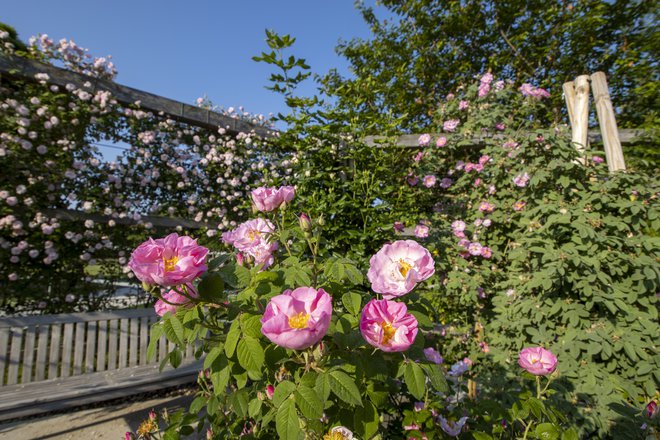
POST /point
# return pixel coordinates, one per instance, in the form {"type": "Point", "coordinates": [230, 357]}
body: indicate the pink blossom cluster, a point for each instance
{"type": "Point", "coordinates": [254, 239]}
{"type": "Point", "coordinates": [484, 85]}
{"type": "Point", "coordinates": [268, 199]}
{"type": "Point", "coordinates": [521, 180]}
{"type": "Point", "coordinates": [535, 92]}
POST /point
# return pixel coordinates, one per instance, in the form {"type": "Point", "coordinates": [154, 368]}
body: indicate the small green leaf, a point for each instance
{"type": "Point", "coordinates": [352, 301]}
{"type": "Point", "coordinates": [546, 431]}
{"type": "Point", "coordinates": [213, 355]}
{"type": "Point", "coordinates": [282, 391]}
{"type": "Point", "coordinates": [174, 330]}
{"type": "Point", "coordinates": [250, 354]}
{"type": "Point", "coordinates": [309, 402]}
{"type": "Point", "coordinates": [232, 338]}
{"type": "Point", "coordinates": [286, 421]}
{"type": "Point", "coordinates": [211, 288]}
{"type": "Point", "coordinates": [251, 325]}
{"type": "Point", "coordinates": [344, 387]}
{"type": "Point", "coordinates": [254, 408]}
{"type": "Point", "coordinates": [156, 332]}
{"type": "Point", "coordinates": [415, 380]}
{"type": "Point", "coordinates": [437, 378]}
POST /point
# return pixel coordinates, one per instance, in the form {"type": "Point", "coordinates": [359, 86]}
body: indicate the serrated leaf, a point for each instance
{"type": "Point", "coordinates": [546, 431]}
{"type": "Point", "coordinates": [366, 420]}
{"type": "Point", "coordinates": [220, 380]}
{"type": "Point", "coordinates": [309, 402]}
{"type": "Point", "coordinates": [323, 386]}
{"type": "Point", "coordinates": [215, 352]}
{"type": "Point", "coordinates": [286, 421]}
{"type": "Point", "coordinates": [239, 401]}
{"type": "Point", "coordinates": [282, 391]}
{"type": "Point", "coordinates": [254, 408]}
{"type": "Point", "coordinates": [436, 377]}
{"type": "Point", "coordinates": [415, 380]}
{"type": "Point", "coordinates": [232, 338]}
{"type": "Point", "coordinates": [352, 301]}
{"type": "Point", "coordinates": [250, 354]}
{"type": "Point", "coordinates": [197, 404]}
{"type": "Point", "coordinates": [344, 387]}
{"type": "Point", "coordinates": [176, 357]}
{"type": "Point", "coordinates": [251, 325]}
{"type": "Point", "coordinates": [154, 336]}
{"type": "Point", "coordinates": [174, 330]}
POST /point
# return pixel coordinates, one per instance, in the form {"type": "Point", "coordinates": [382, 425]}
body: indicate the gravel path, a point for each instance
{"type": "Point", "coordinates": [106, 422]}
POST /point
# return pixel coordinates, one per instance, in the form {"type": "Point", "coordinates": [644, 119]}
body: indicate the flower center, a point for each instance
{"type": "Point", "coordinates": [535, 360]}
{"type": "Point", "coordinates": [388, 332]}
{"type": "Point", "coordinates": [334, 436]}
{"type": "Point", "coordinates": [170, 263]}
{"type": "Point", "coordinates": [404, 268]}
{"type": "Point", "coordinates": [299, 320]}
{"type": "Point", "coordinates": [253, 234]}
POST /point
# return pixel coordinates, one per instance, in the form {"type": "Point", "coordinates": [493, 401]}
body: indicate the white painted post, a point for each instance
{"type": "Point", "coordinates": [581, 114]}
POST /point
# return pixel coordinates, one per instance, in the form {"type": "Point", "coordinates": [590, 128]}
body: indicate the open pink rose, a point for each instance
{"type": "Point", "coordinates": [537, 360]}
{"type": "Point", "coordinates": [387, 325]}
{"type": "Point", "coordinates": [297, 319]}
{"type": "Point", "coordinates": [397, 268]}
{"type": "Point", "coordinates": [174, 300]}
{"type": "Point", "coordinates": [268, 199]}
{"type": "Point", "coordinates": [168, 261]}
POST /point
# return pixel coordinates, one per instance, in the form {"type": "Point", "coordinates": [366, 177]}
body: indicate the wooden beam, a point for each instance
{"type": "Point", "coordinates": [410, 140]}
{"type": "Point", "coordinates": [569, 97]}
{"type": "Point", "coordinates": [165, 222]}
{"type": "Point", "coordinates": [26, 68]}
{"type": "Point", "coordinates": [607, 122]}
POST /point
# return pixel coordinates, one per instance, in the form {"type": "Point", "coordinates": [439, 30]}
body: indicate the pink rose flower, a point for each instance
{"type": "Point", "coordinates": [486, 252]}
{"type": "Point", "coordinates": [397, 268]}
{"type": "Point", "coordinates": [297, 319]}
{"type": "Point", "coordinates": [597, 159]}
{"type": "Point", "coordinates": [174, 299]}
{"type": "Point", "coordinates": [521, 180]}
{"type": "Point", "coordinates": [441, 142]}
{"type": "Point", "coordinates": [429, 181]}
{"type": "Point", "coordinates": [486, 207]}
{"type": "Point", "coordinates": [421, 231]}
{"type": "Point", "coordinates": [463, 105]}
{"type": "Point", "coordinates": [424, 140]}
{"type": "Point", "coordinates": [268, 199]}
{"type": "Point", "coordinates": [412, 179]}
{"type": "Point", "coordinates": [388, 325]}
{"type": "Point", "coordinates": [168, 261]}
{"type": "Point", "coordinates": [537, 360]}
{"type": "Point", "coordinates": [519, 205]}
{"type": "Point", "coordinates": [450, 125]}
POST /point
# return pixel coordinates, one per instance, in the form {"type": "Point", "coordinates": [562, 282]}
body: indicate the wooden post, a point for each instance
{"type": "Point", "coordinates": [607, 121]}
{"type": "Point", "coordinates": [569, 97]}
{"type": "Point", "coordinates": [581, 113]}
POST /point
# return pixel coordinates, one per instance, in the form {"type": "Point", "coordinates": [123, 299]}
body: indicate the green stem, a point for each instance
{"type": "Point", "coordinates": [538, 387]}
{"type": "Point", "coordinates": [526, 430]}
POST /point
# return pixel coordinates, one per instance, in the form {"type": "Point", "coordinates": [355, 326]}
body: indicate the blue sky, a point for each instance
{"type": "Point", "coordinates": [185, 49]}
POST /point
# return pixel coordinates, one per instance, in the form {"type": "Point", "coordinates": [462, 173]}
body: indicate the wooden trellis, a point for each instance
{"type": "Point", "coordinates": [576, 94]}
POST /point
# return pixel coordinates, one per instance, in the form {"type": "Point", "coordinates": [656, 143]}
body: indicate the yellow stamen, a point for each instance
{"type": "Point", "coordinates": [334, 436]}
{"type": "Point", "coordinates": [253, 234]}
{"type": "Point", "coordinates": [534, 360]}
{"type": "Point", "coordinates": [170, 263]}
{"type": "Point", "coordinates": [299, 320]}
{"type": "Point", "coordinates": [388, 332]}
{"type": "Point", "coordinates": [147, 427]}
{"type": "Point", "coordinates": [404, 268]}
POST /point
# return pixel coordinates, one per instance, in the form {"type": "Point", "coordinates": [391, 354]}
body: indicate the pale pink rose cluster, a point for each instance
{"type": "Point", "coordinates": [168, 261]}
{"type": "Point", "coordinates": [268, 199]}
{"type": "Point", "coordinates": [253, 238]}
{"type": "Point", "coordinates": [484, 85]}
{"type": "Point", "coordinates": [521, 180]}
{"type": "Point", "coordinates": [394, 271]}
{"type": "Point", "coordinates": [451, 125]}
{"type": "Point", "coordinates": [535, 92]}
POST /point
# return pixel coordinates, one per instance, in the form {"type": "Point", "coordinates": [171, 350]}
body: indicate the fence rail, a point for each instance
{"type": "Point", "coordinates": [26, 68]}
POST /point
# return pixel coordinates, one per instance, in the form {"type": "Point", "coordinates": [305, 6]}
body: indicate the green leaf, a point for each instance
{"type": "Point", "coordinates": [176, 357]}
{"type": "Point", "coordinates": [481, 436]}
{"type": "Point", "coordinates": [352, 301]}
{"type": "Point", "coordinates": [323, 386]}
{"type": "Point", "coordinates": [232, 338]}
{"type": "Point", "coordinates": [239, 401]}
{"type": "Point", "coordinates": [546, 431]}
{"type": "Point", "coordinates": [174, 330]}
{"type": "Point", "coordinates": [344, 387]}
{"type": "Point", "coordinates": [254, 408]}
{"type": "Point", "coordinates": [156, 332]}
{"type": "Point", "coordinates": [211, 288]}
{"type": "Point", "coordinates": [220, 380]}
{"type": "Point", "coordinates": [437, 377]}
{"type": "Point", "coordinates": [282, 391]}
{"type": "Point", "coordinates": [250, 354]}
{"type": "Point", "coordinates": [286, 421]}
{"type": "Point", "coordinates": [251, 325]}
{"type": "Point", "coordinates": [366, 420]}
{"type": "Point", "coordinates": [415, 380]}
{"type": "Point", "coordinates": [569, 434]}
{"type": "Point", "coordinates": [309, 402]}
{"type": "Point", "coordinates": [197, 404]}
{"type": "Point", "coordinates": [213, 355]}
